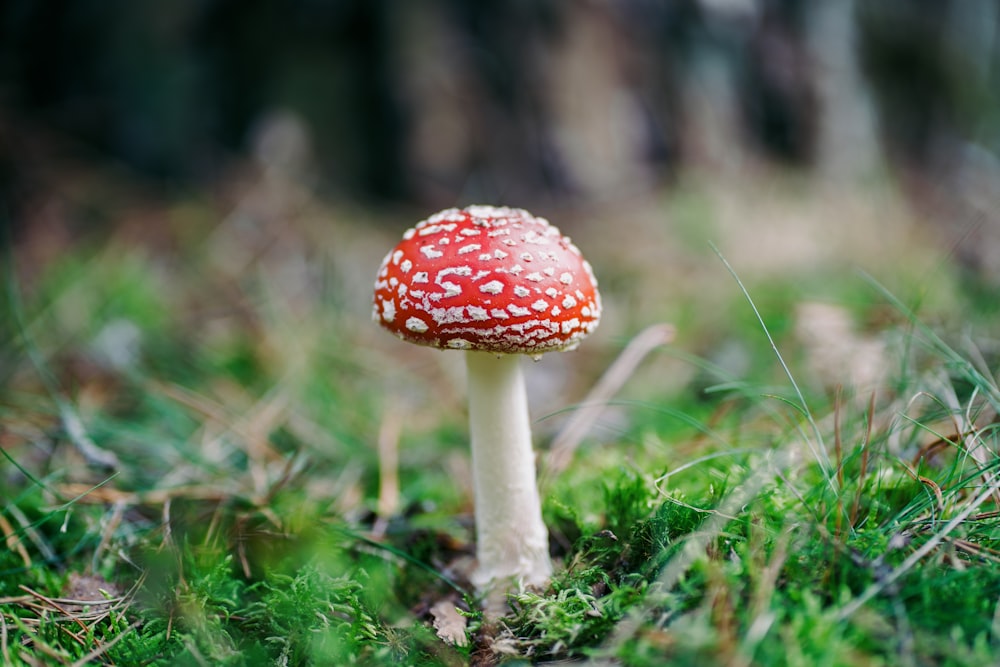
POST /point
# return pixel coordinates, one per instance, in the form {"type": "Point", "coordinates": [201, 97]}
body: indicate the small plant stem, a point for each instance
{"type": "Point", "coordinates": [839, 449]}
{"type": "Point", "coordinates": [863, 471]}
{"type": "Point", "coordinates": [816, 448]}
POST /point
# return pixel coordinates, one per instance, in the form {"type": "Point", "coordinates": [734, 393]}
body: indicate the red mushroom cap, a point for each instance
{"type": "Point", "coordinates": [487, 278]}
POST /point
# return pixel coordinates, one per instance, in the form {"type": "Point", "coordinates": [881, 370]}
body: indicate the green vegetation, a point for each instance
{"type": "Point", "coordinates": [752, 516]}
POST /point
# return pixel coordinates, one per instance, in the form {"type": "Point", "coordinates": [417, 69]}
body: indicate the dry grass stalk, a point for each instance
{"type": "Point", "coordinates": [388, 465]}
{"type": "Point", "coordinates": [576, 429]}
{"type": "Point", "coordinates": [13, 541]}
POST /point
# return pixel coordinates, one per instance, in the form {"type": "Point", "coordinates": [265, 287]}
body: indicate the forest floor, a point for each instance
{"type": "Point", "coordinates": [212, 456]}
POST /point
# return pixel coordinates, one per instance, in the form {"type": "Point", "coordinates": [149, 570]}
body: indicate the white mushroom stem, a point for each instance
{"type": "Point", "coordinates": [512, 542]}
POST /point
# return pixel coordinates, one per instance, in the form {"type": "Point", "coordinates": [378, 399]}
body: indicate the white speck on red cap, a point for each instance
{"type": "Point", "coordinates": [488, 302]}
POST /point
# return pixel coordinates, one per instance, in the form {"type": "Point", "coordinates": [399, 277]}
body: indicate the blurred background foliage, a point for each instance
{"type": "Point", "coordinates": [538, 102]}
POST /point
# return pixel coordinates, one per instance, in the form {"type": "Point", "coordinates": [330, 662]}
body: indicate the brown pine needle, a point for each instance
{"type": "Point", "coordinates": [55, 605]}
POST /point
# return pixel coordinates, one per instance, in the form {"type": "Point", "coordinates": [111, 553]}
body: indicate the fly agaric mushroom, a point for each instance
{"type": "Point", "coordinates": [496, 282]}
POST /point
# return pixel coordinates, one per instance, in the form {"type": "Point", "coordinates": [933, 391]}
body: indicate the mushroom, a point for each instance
{"type": "Point", "coordinates": [496, 282]}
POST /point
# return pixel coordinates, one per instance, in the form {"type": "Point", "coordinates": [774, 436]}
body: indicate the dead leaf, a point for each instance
{"type": "Point", "coordinates": [449, 623]}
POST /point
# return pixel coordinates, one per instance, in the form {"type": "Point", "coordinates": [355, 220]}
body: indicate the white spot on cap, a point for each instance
{"type": "Point", "coordinates": [499, 314]}
{"type": "Point", "coordinates": [421, 277]}
{"type": "Point", "coordinates": [453, 270]}
{"type": "Point", "coordinates": [492, 287]}
{"type": "Point", "coordinates": [568, 302]}
{"type": "Point", "coordinates": [388, 310]}
{"type": "Point", "coordinates": [406, 266]}
{"type": "Point", "coordinates": [434, 229]}
{"type": "Point", "coordinates": [552, 292]}
{"type": "Point", "coordinates": [534, 277]}
{"type": "Point", "coordinates": [517, 311]}
{"type": "Point", "coordinates": [485, 211]}
{"type": "Point", "coordinates": [541, 305]}
{"type": "Point", "coordinates": [472, 247]}
{"type": "Point", "coordinates": [396, 256]}
{"type": "Point", "coordinates": [430, 253]}
{"type": "Point", "coordinates": [521, 290]}
{"type": "Point", "coordinates": [569, 325]}
{"type": "Point", "coordinates": [416, 325]}
{"type": "Point", "coordinates": [549, 271]}
{"type": "Point", "coordinates": [526, 256]}
{"type": "Point", "coordinates": [448, 315]}
{"type": "Point", "coordinates": [500, 254]}
{"type": "Point", "coordinates": [468, 231]}
{"type": "Point", "coordinates": [566, 278]}
{"type": "Point", "coordinates": [479, 314]}
{"type": "Point", "coordinates": [451, 289]}
{"type": "Point", "coordinates": [555, 311]}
